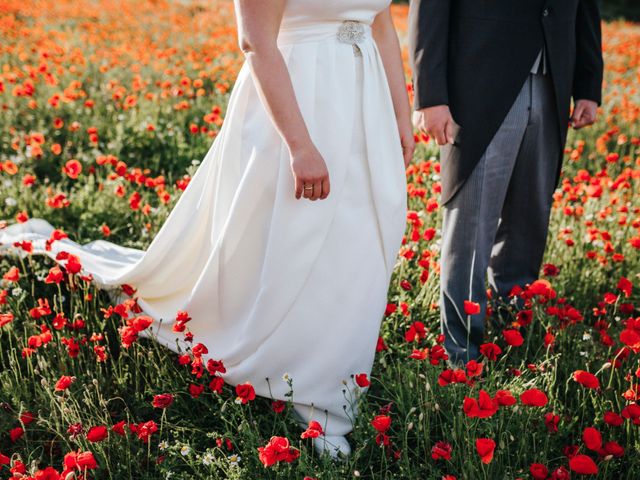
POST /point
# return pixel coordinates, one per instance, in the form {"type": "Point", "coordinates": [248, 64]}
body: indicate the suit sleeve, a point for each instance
{"type": "Point", "coordinates": [587, 77]}
{"type": "Point", "coordinates": [429, 41]}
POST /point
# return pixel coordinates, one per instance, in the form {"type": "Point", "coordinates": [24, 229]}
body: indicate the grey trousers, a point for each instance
{"type": "Point", "coordinates": [497, 223]}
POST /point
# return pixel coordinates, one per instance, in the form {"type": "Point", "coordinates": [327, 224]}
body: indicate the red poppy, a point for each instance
{"type": "Point", "coordinates": [144, 430]}
{"type": "Point", "coordinates": [16, 433]}
{"type": "Point", "coordinates": [215, 366]}
{"type": "Point", "coordinates": [542, 289]}
{"type": "Point", "coordinates": [632, 411]}
{"type": "Point", "coordinates": [80, 461]}
{"type": "Point", "coordinates": [64, 382]}
{"type": "Point", "coordinates": [441, 450]}
{"type": "Point", "coordinates": [538, 471]}
{"type": "Point", "coordinates": [278, 406]}
{"type": "Point", "coordinates": [314, 430]}
{"type": "Point", "coordinates": [625, 286]}
{"type": "Point", "coordinates": [6, 319]}
{"type": "Point", "coordinates": [631, 338]}
{"type": "Point", "coordinates": [199, 349]}
{"type": "Point", "coordinates": [490, 350]}
{"type": "Point", "coordinates": [97, 434]}
{"type": "Point", "coordinates": [216, 384]}
{"type": "Point", "coordinates": [119, 428]}
{"type": "Point", "coordinates": [549, 339]}
{"type": "Point", "coordinates": [27, 417]}
{"type": "Point", "coordinates": [72, 168]}
{"type": "Point", "coordinates": [586, 379]}
{"type": "Point", "coordinates": [381, 423]}
{"type": "Point", "coordinates": [419, 353]}
{"type": "Point", "coordinates": [416, 332]}
{"type": "Point", "coordinates": [195, 390]}
{"type": "Point", "coordinates": [504, 398]}
{"type": "Point", "coordinates": [12, 275]}
{"type": "Point", "coordinates": [534, 398]}
{"type": "Point", "coordinates": [524, 317]}
{"type": "Point", "coordinates": [471, 308]}
{"type": "Point", "coordinates": [163, 400]}
{"type": "Point", "coordinates": [613, 419]}
{"type": "Point", "coordinates": [484, 407]}
{"type": "Point", "coordinates": [362, 381]}
{"type": "Point", "coordinates": [437, 354]}
{"type": "Point", "coordinates": [560, 473]}
{"type": "Point", "coordinates": [245, 393]}
{"type": "Point", "coordinates": [141, 322]}
{"type": "Point", "coordinates": [592, 438]}
{"type": "Point", "coordinates": [474, 368]}
{"type": "Point", "coordinates": [450, 376]}
{"type": "Point", "coordinates": [614, 448]}
{"type": "Point", "coordinates": [513, 337]}
{"type": "Point", "coordinates": [485, 448]}
{"type": "Point", "coordinates": [583, 465]}
{"type": "Point", "coordinates": [277, 450]}
{"type": "Point", "coordinates": [551, 421]}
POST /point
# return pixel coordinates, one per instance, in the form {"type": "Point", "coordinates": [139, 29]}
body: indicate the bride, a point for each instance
{"type": "Point", "coordinates": [282, 246]}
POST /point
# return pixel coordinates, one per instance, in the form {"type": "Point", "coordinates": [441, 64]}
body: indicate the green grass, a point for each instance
{"type": "Point", "coordinates": [191, 438]}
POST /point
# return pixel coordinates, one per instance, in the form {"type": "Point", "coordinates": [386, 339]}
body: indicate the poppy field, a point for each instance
{"type": "Point", "coordinates": [107, 108]}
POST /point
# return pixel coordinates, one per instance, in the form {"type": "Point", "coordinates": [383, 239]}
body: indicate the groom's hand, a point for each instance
{"type": "Point", "coordinates": [435, 122]}
{"type": "Point", "coordinates": [584, 113]}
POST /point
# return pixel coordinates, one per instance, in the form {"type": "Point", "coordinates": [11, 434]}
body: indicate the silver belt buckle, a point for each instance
{"type": "Point", "coordinates": [352, 32]}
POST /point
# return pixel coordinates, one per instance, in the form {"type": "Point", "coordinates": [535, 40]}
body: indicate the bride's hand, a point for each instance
{"type": "Point", "coordinates": [310, 173]}
{"type": "Point", "coordinates": [408, 143]}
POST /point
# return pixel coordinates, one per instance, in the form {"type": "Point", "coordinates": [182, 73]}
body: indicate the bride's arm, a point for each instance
{"type": "Point", "coordinates": [386, 39]}
{"type": "Point", "coordinates": [258, 25]}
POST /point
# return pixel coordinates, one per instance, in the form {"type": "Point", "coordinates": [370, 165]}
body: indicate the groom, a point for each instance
{"type": "Point", "coordinates": [493, 83]}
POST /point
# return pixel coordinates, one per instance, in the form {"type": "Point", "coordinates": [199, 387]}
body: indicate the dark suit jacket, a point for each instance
{"type": "Point", "coordinates": [475, 55]}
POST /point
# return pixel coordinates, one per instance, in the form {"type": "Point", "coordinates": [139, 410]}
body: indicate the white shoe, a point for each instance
{"type": "Point", "coordinates": [336, 446]}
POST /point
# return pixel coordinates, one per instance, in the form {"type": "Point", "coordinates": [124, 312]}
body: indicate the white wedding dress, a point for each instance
{"type": "Point", "coordinates": [276, 285]}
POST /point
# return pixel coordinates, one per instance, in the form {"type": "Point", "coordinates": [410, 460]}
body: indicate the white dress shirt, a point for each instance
{"type": "Point", "coordinates": [540, 65]}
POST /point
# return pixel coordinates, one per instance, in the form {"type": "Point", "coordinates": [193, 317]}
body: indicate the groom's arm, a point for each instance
{"type": "Point", "coordinates": [429, 50]}
{"type": "Point", "coordinates": [587, 78]}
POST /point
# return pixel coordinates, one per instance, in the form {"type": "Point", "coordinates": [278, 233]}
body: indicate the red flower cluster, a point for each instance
{"type": "Point", "coordinates": [129, 332]}
{"type": "Point", "coordinates": [314, 430]}
{"type": "Point", "coordinates": [277, 450]}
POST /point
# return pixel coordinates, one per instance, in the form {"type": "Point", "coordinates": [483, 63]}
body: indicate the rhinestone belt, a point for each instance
{"type": "Point", "coordinates": [352, 32]}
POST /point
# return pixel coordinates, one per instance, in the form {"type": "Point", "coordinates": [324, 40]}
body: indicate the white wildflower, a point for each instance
{"type": "Point", "coordinates": [207, 458]}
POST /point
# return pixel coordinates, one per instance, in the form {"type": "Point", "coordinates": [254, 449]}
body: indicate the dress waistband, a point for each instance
{"type": "Point", "coordinates": [347, 31]}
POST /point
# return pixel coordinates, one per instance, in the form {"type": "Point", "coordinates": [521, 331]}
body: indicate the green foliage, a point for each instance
{"type": "Point", "coordinates": [594, 227]}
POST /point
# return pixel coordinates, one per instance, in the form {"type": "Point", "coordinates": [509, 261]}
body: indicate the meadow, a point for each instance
{"type": "Point", "coordinates": [108, 106]}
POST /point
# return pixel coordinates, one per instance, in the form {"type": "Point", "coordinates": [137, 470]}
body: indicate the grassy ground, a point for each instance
{"type": "Point", "coordinates": [107, 108]}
